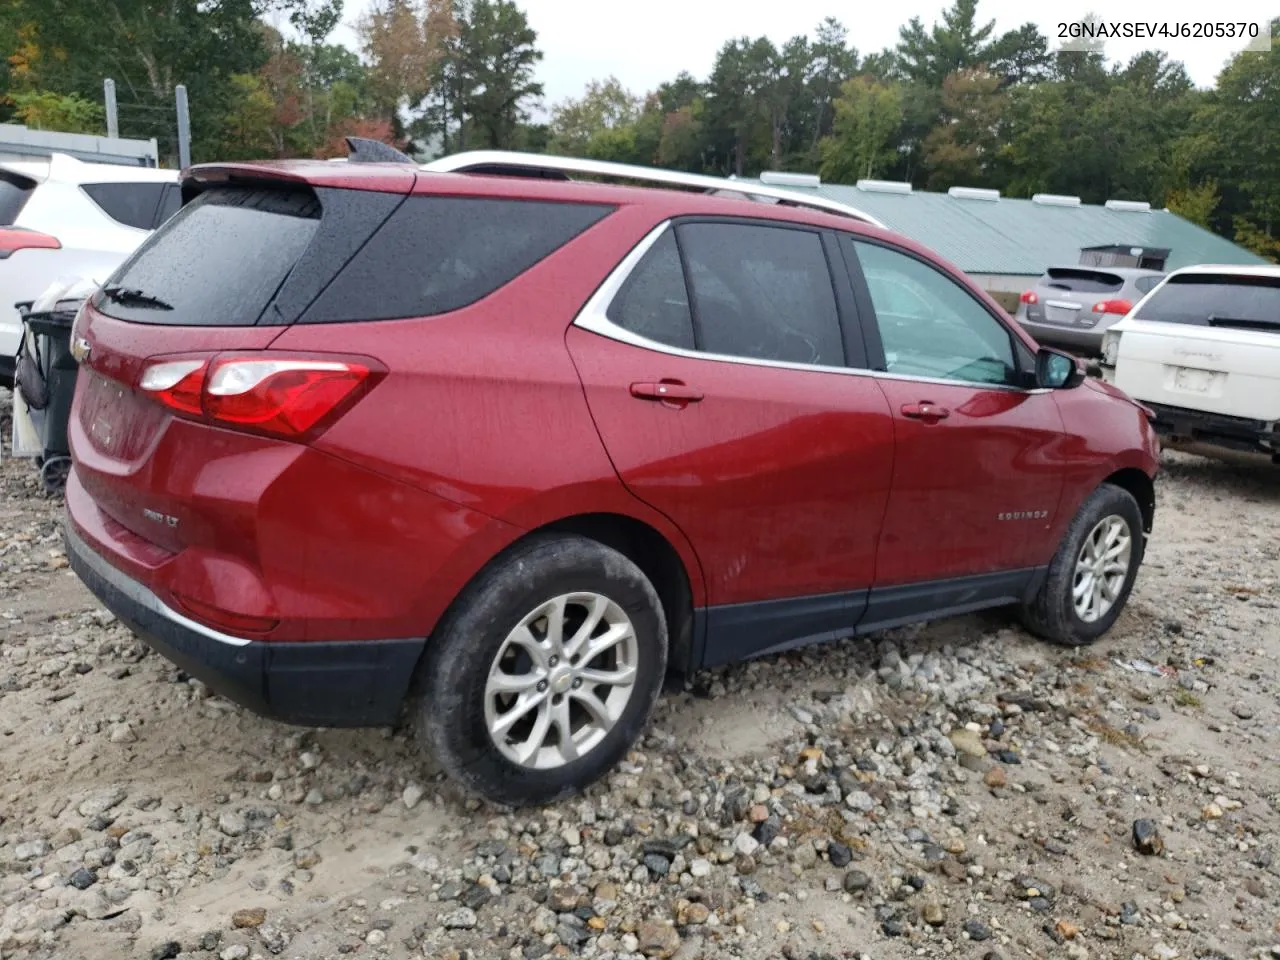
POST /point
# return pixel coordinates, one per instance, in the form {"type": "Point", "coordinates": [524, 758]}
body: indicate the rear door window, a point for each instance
{"type": "Point", "coordinates": [439, 254]}
{"type": "Point", "coordinates": [1219, 300]}
{"type": "Point", "coordinates": [1076, 280]}
{"type": "Point", "coordinates": [132, 204]}
{"type": "Point", "coordinates": [654, 302]}
{"type": "Point", "coordinates": [15, 190]}
{"type": "Point", "coordinates": [218, 262]}
{"type": "Point", "coordinates": [1147, 284]}
{"type": "Point", "coordinates": [762, 292]}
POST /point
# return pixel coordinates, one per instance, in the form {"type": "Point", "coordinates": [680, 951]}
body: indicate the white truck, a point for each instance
{"type": "Point", "coordinates": [1202, 350]}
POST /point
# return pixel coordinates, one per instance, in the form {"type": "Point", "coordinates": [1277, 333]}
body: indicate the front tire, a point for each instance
{"type": "Point", "coordinates": [543, 673]}
{"type": "Point", "coordinates": [1092, 574]}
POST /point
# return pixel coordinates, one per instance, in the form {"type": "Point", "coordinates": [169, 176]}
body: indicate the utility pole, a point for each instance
{"type": "Point", "coordinates": [184, 127]}
{"type": "Point", "coordinates": [113, 119]}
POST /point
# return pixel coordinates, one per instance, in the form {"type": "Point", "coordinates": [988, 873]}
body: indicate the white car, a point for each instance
{"type": "Point", "coordinates": [1202, 350]}
{"type": "Point", "coordinates": [62, 218]}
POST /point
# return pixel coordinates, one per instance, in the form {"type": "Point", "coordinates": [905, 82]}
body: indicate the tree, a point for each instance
{"type": "Point", "coordinates": [1197, 204]}
{"type": "Point", "coordinates": [147, 48]}
{"type": "Point", "coordinates": [957, 43]}
{"type": "Point", "coordinates": [247, 129]}
{"type": "Point", "coordinates": [497, 52]}
{"type": "Point", "coordinates": [867, 115]}
{"type": "Point", "coordinates": [1020, 56]}
{"type": "Point", "coordinates": [603, 109]}
{"type": "Point", "coordinates": [401, 53]}
{"type": "Point", "coordinates": [833, 61]}
{"type": "Point", "coordinates": [46, 110]}
{"type": "Point", "coordinates": [963, 148]}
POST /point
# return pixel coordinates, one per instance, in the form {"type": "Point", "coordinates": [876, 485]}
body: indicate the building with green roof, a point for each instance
{"type": "Point", "coordinates": [1005, 243]}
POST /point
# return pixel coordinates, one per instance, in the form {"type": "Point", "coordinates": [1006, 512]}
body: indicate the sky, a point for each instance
{"type": "Point", "coordinates": [643, 44]}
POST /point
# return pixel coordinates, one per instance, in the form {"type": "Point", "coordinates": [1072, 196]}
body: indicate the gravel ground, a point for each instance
{"type": "Point", "coordinates": [955, 790]}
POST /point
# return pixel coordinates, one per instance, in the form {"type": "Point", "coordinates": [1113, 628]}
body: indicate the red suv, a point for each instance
{"type": "Point", "coordinates": [502, 449]}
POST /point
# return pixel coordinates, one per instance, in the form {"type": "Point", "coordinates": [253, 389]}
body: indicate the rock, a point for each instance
{"type": "Point", "coordinates": [376, 938]}
{"type": "Point", "coordinates": [463, 918]}
{"type": "Point", "coordinates": [31, 850]}
{"type": "Point", "coordinates": [700, 868]}
{"type": "Point", "coordinates": [933, 913]}
{"type": "Point", "coordinates": [1146, 838]}
{"type": "Point", "coordinates": [861, 801]}
{"type": "Point", "coordinates": [232, 824]}
{"type": "Point", "coordinates": [412, 796]}
{"type": "Point", "coordinates": [658, 940]}
{"type": "Point", "coordinates": [166, 951]}
{"type": "Point", "coordinates": [855, 881]}
{"type": "Point", "coordinates": [758, 813]}
{"type": "Point", "coordinates": [839, 854]}
{"type": "Point", "coordinates": [746, 844]}
{"type": "Point", "coordinates": [82, 879]}
{"type": "Point", "coordinates": [249, 918]}
{"type": "Point", "coordinates": [977, 931]}
{"type": "Point", "coordinates": [123, 733]}
{"type": "Point", "coordinates": [1212, 811]}
{"type": "Point", "coordinates": [1242, 711]}
{"type": "Point", "coordinates": [313, 798]}
{"type": "Point", "coordinates": [1066, 929]}
{"type": "Point", "coordinates": [745, 864]}
{"type": "Point", "coordinates": [967, 741]}
{"type": "Point", "coordinates": [693, 915]}
{"type": "Point", "coordinates": [996, 778]}
{"type": "Point", "coordinates": [236, 951]}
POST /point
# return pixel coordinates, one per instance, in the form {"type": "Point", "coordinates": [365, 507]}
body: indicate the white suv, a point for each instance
{"type": "Point", "coordinates": [1203, 351]}
{"type": "Point", "coordinates": [64, 219]}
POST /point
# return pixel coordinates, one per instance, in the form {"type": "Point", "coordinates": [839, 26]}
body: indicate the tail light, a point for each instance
{"type": "Point", "coordinates": [13, 239]}
{"type": "Point", "coordinates": [291, 397]}
{"type": "Point", "coordinates": [1029, 296]}
{"type": "Point", "coordinates": [1112, 306]}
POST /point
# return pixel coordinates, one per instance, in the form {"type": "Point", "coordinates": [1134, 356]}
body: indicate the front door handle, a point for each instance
{"type": "Point", "coordinates": [926, 411]}
{"type": "Point", "coordinates": [671, 392]}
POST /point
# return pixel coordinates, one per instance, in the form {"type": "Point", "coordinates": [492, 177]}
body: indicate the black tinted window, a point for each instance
{"type": "Point", "coordinates": [654, 302]}
{"type": "Point", "coordinates": [762, 292]}
{"type": "Point", "coordinates": [133, 204]}
{"type": "Point", "coordinates": [1082, 281]}
{"type": "Point", "coordinates": [14, 191]}
{"type": "Point", "coordinates": [219, 261]}
{"type": "Point", "coordinates": [1219, 300]}
{"type": "Point", "coordinates": [170, 202]}
{"type": "Point", "coordinates": [438, 254]}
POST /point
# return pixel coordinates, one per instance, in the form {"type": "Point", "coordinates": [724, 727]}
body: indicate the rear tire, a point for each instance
{"type": "Point", "coordinates": [1085, 590]}
{"type": "Point", "coordinates": [544, 672]}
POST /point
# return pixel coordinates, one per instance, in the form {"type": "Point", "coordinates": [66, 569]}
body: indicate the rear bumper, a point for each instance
{"type": "Point", "coordinates": [357, 683]}
{"type": "Point", "coordinates": [1232, 433]}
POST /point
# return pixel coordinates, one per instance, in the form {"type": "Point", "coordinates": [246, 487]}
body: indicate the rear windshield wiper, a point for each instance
{"type": "Point", "coordinates": [130, 297]}
{"type": "Point", "coordinates": [1246, 322]}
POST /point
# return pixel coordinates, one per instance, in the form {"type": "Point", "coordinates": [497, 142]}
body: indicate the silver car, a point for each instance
{"type": "Point", "coordinates": [1073, 307]}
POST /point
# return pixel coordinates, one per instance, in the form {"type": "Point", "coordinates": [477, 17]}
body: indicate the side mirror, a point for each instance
{"type": "Point", "coordinates": [1056, 370]}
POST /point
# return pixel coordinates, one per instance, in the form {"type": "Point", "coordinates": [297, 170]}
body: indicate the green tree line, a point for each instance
{"type": "Point", "coordinates": [951, 103]}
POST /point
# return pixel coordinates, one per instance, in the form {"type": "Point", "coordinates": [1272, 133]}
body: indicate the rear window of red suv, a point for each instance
{"type": "Point", "coordinates": [218, 262]}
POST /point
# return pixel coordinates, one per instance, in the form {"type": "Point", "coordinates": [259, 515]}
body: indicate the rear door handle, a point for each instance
{"type": "Point", "coordinates": [666, 391]}
{"type": "Point", "coordinates": [926, 411]}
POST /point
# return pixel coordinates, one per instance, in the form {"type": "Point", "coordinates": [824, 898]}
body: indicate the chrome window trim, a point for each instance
{"type": "Point", "coordinates": [594, 317]}
{"type": "Point", "coordinates": [517, 162]}
{"type": "Point", "coordinates": [140, 595]}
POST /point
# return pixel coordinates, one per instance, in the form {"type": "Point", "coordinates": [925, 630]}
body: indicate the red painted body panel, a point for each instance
{"type": "Point", "coordinates": [778, 477]}
{"type": "Point", "coordinates": [997, 452]}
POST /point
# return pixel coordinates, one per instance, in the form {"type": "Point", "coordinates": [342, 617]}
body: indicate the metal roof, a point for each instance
{"type": "Point", "coordinates": [1023, 237]}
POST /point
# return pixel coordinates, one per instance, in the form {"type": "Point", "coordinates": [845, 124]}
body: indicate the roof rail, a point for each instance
{"type": "Point", "coordinates": [507, 163]}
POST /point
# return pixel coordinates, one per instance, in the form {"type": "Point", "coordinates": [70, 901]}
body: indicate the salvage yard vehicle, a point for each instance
{"type": "Point", "coordinates": [62, 219]}
{"type": "Point", "coordinates": [1074, 307]}
{"type": "Point", "coordinates": [1203, 352]}
{"type": "Point", "coordinates": [497, 447]}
